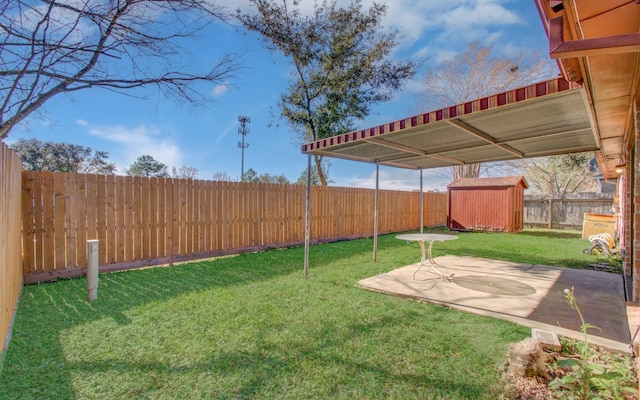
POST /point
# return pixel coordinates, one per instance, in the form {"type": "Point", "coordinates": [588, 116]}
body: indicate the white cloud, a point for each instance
{"type": "Point", "coordinates": [401, 179]}
{"type": "Point", "coordinates": [135, 142]}
{"type": "Point", "coordinates": [453, 21]}
{"type": "Point", "coordinates": [478, 14]}
{"type": "Point", "coordinates": [219, 90]}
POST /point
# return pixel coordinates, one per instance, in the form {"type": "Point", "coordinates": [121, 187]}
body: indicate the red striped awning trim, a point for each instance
{"type": "Point", "coordinates": [536, 90]}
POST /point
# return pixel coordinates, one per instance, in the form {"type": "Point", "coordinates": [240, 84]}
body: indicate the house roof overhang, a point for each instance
{"type": "Point", "coordinates": [547, 118]}
{"type": "Point", "coordinates": [597, 43]}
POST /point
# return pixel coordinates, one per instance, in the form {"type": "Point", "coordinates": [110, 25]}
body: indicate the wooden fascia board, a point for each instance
{"type": "Point", "coordinates": [617, 44]}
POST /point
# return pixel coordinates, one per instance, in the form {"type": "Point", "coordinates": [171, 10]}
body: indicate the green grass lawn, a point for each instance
{"type": "Point", "coordinates": [251, 326]}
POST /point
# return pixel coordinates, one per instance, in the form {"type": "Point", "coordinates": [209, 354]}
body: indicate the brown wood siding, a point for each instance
{"type": "Point", "coordinates": [497, 208]}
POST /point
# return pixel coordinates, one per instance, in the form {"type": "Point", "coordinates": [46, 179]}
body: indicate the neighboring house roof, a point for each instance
{"type": "Point", "coordinates": [487, 182]}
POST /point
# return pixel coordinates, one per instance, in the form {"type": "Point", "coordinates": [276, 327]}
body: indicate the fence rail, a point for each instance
{"type": "Point", "coordinates": [10, 249]}
{"type": "Point", "coordinates": [143, 221]}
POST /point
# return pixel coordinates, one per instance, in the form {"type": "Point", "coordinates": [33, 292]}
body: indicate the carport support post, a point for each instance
{"type": "Point", "coordinates": [375, 214]}
{"type": "Point", "coordinates": [306, 221]}
{"type": "Point", "coordinates": [421, 203]}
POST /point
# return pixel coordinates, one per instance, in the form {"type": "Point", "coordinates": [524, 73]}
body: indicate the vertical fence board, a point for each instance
{"type": "Point", "coordinates": [137, 218]}
{"type": "Point", "coordinates": [198, 214]}
{"type": "Point", "coordinates": [92, 214]}
{"type": "Point", "coordinates": [45, 246]}
{"type": "Point", "coordinates": [69, 222]}
{"type": "Point", "coordinates": [208, 222]}
{"type": "Point", "coordinates": [230, 210]}
{"type": "Point", "coordinates": [119, 223]}
{"type": "Point", "coordinates": [169, 217]}
{"type": "Point", "coordinates": [81, 218]}
{"type": "Point", "coordinates": [220, 203]}
{"type": "Point", "coordinates": [145, 218]}
{"type": "Point", "coordinates": [280, 223]}
{"type": "Point", "coordinates": [192, 232]}
{"type": "Point", "coordinates": [110, 218]}
{"type": "Point", "coordinates": [185, 213]}
{"type": "Point", "coordinates": [162, 218]}
{"type": "Point", "coordinates": [28, 227]}
{"type": "Point", "coordinates": [129, 231]}
{"type": "Point", "coordinates": [240, 229]}
{"type": "Point", "coordinates": [58, 223]}
{"type": "Point", "coordinates": [184, 197]}
{"type": "Point", "coordinates": [101, 211]}
{"type": "Point", "coordinates": [153, 217]}
{"type": "Point", "coordinates": [175, 217]}
{"type": "Point", "coordinates": [205, 216]}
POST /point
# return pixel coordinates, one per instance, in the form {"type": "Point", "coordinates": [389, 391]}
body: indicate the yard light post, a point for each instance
{"type": "Point", "coordinates": [243, 130]}
{"type": "Point", "coordinates": [92, 269]}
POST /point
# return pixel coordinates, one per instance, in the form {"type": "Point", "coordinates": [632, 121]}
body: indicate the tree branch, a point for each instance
{"type": "Point", "coordinates": [73, 46]}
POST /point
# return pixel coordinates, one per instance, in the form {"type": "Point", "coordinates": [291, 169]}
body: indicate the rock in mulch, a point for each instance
{"type": "Point", "coordinates": [527, 358]}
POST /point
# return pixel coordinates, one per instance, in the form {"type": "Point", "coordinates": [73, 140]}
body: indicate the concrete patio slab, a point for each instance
{"type": "Point", "coordinates": [526, 294]}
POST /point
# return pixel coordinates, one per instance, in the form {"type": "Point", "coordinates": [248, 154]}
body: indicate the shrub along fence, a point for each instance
{"type": "Point", "coordinates": [148, 221]}
{"type": "Point", "coordinates": [10, 249]}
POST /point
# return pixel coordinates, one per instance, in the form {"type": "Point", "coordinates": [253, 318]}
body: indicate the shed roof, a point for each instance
{"type": "Point", "coordinates": [489, 182]}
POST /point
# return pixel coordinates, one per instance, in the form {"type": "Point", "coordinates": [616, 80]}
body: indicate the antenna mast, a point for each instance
{"type": "Point", "coordinates": [243, 130]}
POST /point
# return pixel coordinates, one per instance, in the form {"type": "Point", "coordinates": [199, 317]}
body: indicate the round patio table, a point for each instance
{"type": "Point", "coordinates": [426, 255]}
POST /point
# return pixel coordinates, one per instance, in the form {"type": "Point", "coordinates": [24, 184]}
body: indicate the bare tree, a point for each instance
{"type": "Point", "coordinates": [49, 47]}
{"type": "Point", "coordinates": [476, 73]}
{"type": "Point", "coordinates": [557, 176]}
{"type": "Point", "coordinates": [222, 176]}
{"type": "Point", "coordinates": [184, 172]}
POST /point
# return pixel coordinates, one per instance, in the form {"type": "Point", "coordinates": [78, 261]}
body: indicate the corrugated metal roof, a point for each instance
{"type": "Point", "coordinates": [486, 182]}
{"type": "Point", "coordinates": [546, 118]}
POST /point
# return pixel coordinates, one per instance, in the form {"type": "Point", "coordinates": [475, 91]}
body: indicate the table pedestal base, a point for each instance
{"type": "Point", "coordinates": [428, 257]}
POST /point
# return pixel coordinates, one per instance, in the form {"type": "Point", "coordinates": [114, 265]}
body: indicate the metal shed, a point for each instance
{"type": "Point", "coordinates": [486, 204]}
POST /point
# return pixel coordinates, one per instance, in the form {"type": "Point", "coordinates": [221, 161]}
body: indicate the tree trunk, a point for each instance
{"type": "Point", "coordinates": [321, 176]}
{"type": "Point", "coordinates": [465, 171]}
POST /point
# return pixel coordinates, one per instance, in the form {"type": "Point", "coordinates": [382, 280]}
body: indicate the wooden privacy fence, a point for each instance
{"type": "Point", "coordinates": [10, 250]}
{"type": "Point", "coordinates": [146, 221]}
{"type": "Point", "coordinates": [563, 213]}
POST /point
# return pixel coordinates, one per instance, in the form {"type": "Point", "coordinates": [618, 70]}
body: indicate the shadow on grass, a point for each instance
{"type": "Point", "coordinates": [268, 369]}
{"type": "Point", "coordinates": [553, 234]}
{"type": "Point", "coordinates": [46, 310]}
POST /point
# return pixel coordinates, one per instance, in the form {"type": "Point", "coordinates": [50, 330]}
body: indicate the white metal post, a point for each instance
{"type": "Point", "coordinates": [92, 269]}
{"type": "Point", "coordinates": [375, 214]}
{"type": "Point", "coordinates": [307, 218]}
{"type": "Point", "coordinates": [421, 205]}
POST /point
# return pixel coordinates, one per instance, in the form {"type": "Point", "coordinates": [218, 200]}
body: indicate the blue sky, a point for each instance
{"type": "Point", "coordinates": [206, 138]}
